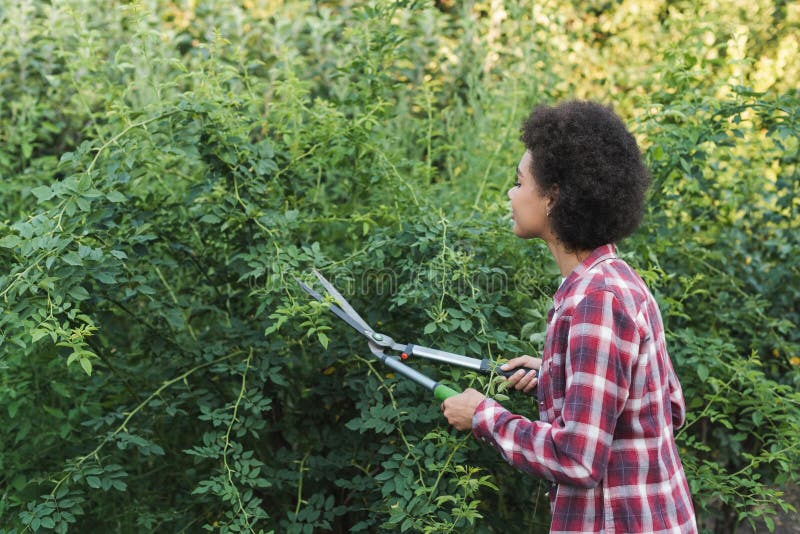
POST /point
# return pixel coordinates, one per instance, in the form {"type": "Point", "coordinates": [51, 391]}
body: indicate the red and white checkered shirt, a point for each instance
{"type": "Point", "coordinates": [609, 401]}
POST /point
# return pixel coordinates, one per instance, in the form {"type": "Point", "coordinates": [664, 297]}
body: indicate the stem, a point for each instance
{"type": "Point", "coordinates": [133, 412]}
{"type": "Point", "coordinates": [20, 276]}
{"type": "Point", "coordinates": [444, 254]}
{"type": "Point", "coordinates": [493, 157]}
{"type": "Point", "coordinates": [409, 448]}
{"type": "Point", "coordinates": [247, 210]}
{"type": "Point", "coordinates": [300, 486]}
{"type": "Point", "coordinates": [166, 285]}
{"type": "Point", "coordinates": [175, 300]}
{"type": "Point", "coordinates": [711, 402]}
{"type": "Point", "coordinates": [228, 441]}
{"type": "Point", "coordinates": [130, 127]}
{"type": "Point", "coordinates": [444, 467]}
{"type": "Point", "coordinates": [429, 153]}
{"type": "Point", "coordinates": [399, 177]}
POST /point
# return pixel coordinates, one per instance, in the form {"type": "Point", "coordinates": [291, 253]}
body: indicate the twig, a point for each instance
{"type": "Point", "coordinates": [228, 441]}
{"type": "Point", "coordinates": [133, 412]}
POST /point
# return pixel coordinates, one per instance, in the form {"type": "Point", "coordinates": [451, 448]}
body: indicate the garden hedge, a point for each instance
{"type": "Point", "coordinates": [169, 168]}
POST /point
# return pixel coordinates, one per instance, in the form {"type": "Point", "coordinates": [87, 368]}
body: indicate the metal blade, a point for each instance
{"type": "Point", "coordinates": [341, 314]}
{"type": "Point", "coordinates": [446, 357]}
{"type": "Point", "coordinates": [401, 368]}
{"type": "Point", "coordinates": [341, 301]}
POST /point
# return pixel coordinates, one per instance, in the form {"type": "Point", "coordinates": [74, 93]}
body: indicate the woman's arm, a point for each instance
{"type": "Point", "coordinates": [575, 447]}
{"type": "Point", "coordinates": [460, 409]}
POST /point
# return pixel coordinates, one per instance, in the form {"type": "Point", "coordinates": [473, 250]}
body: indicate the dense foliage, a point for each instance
{"type": "Point", "coordinates": [169, 168]}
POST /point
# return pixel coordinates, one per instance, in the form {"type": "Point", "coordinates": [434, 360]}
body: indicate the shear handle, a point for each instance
{"type": "Point", "coordinates": [488, 367]}
{"type": "Point", "coordinates": [485, 366]}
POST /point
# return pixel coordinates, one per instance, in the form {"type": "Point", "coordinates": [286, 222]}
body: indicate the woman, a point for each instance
{"type": "Point", "coordinates": [609, 399]}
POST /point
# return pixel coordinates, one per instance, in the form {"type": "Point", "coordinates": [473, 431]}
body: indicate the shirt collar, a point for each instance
{"type": "Point", "coordinates": [600, 254]}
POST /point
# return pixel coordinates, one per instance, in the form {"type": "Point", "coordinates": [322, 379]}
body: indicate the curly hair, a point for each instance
{"type": "Point", "coordinates": [585, 151]}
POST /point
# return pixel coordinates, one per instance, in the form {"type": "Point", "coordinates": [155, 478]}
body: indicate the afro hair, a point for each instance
{"type": "Point", "coordinates": [583, 151]}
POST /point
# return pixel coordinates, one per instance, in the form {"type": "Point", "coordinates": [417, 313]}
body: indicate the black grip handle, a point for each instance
{"type": "Point", "coordinates": [488, 367]}
{"type": "Point", "coordinates": [510, 372]}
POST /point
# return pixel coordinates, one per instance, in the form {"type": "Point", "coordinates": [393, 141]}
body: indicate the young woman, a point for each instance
{"type": "Point", "coordinates": [609, 400]}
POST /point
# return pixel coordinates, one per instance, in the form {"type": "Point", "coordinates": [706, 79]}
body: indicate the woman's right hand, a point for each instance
{"type": "Point", "coordinates": [522, 380]}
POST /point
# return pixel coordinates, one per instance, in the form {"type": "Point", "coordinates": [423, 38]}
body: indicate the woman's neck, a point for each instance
{"type": "Point", "coordinates": [566, 260]}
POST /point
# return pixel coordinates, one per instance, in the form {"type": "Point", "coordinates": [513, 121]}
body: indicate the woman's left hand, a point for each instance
{"type": "Point", "coordinates": [460, 408]}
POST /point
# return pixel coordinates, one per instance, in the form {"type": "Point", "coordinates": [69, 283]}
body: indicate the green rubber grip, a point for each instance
{"type": "Point", "coordinates": [442, 392]}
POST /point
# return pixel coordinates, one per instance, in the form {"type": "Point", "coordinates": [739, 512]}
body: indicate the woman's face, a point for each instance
{"type": "Point", "coordinates": [528, 205]}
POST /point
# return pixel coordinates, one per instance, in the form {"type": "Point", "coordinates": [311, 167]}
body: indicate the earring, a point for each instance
{"type": "Point", "coordinates": [548, 212]}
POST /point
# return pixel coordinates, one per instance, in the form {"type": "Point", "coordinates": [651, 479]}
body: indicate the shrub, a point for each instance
{"type": "Point", "coordinates": [167, 174]}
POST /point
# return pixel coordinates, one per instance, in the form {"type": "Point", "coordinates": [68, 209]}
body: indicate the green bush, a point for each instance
{"type": "Point", "coordinates": [168, 173]}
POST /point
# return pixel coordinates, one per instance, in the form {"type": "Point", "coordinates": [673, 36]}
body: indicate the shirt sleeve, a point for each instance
{"type": "Point", "coordinates": [574, 448]}
{"type": "Point", "coordinates": [677, 402]}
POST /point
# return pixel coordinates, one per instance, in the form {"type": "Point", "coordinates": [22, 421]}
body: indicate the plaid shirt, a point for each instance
{"type": "Point", "coordinates": [608, 403]}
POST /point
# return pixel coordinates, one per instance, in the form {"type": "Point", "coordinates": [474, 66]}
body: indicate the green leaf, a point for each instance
{"type": "Point", "coordinates": [87, 365]}
{"type": "Point", "coordinates": [84, 182]}
{"type": "Point", "coordinates": [38, 334]}
{"type": "Point", "coordinates": [72, 357]}
{"type": "Point", "coordinates": [323, 339]}
{"type": "Point", "coordinates": [354, 424]}
{"type": "Point", "coordinates": [116, 196]}
{"type": "Point", "coordinates": [10, 241]}
{"type": "Point", "coordinates": [105, 277]}
{"type": "Point", "coordinates": [502, 311]}
{"type": "Point", "coordinates": [93, 193]}
{"type": "Point", "coordinates": [702, 372]}
{"type": "Point", "coordinates": [83, 203]}
{"type": "Point", "coordinates": [210, 218]}
{"type": "Point", "coordinates": [43, 193]}
{"type": "Point", "coordinates": [62, 491]}
{"type": "Point", "coordinates": [79, 293]}
{"type": "Point", "coordinates": [72, 258]}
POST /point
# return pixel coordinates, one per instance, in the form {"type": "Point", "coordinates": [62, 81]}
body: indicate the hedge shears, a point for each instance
{"type": "Point", "coordinates": [380, 343]}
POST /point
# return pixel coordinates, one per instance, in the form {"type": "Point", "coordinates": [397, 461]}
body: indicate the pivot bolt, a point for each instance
{"type": "Point", "coordinates": [377, 337]}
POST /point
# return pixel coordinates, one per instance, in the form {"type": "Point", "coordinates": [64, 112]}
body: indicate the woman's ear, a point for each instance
{"type": "Point", "coordinates": [552, 198]}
